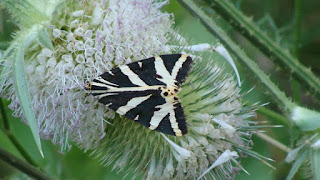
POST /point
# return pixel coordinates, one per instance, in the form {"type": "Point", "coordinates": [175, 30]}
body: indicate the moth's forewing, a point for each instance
{"type": "Point", "coordinates": [137, 90]}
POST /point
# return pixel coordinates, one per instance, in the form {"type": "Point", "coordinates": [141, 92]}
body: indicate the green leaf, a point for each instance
{"type": "Point", "coordinates": [22, 90]}
{"type": "Point", "coordinates": [296, 165]}
{"type": "Point", "coordinates": [315, 164]}
{"type": "Point", "coordinates": [44, 39]}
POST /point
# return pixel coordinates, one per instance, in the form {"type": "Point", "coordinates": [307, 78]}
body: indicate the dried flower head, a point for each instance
{"type": "Point", "coordinates": [91, 37]}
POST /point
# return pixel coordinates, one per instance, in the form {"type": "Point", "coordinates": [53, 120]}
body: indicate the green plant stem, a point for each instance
{"type": "Point", "coordinates": [274, 142]}
{"type": "Point", "coordinates": [210, 24]}
{"type": "Point", "coordinates": [296, 91]}
{"type": "Point", "coordinates": [11, 137]}
{"type": "Point", "coordinates": [274, 116]}
{"type": "Point", "coordinates": [21, 165]}
{"type": "Point", "coordinates": [278, 54]}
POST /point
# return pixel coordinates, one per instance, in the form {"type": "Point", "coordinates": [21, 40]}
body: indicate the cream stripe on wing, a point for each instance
{"type": "Point", "coordinates": [163, 72]}
{"type": "Point", "coordinates": [105, 95]}
{"type": "Point", "coordinates": [174, 123]}
{"type": "Point", "coordinates": [160, 114]}
{"type": "Point", "coordinates": [145, 88]}
{"type": "Point", "coordinates": [99, 91]}
{"type": "Point", "coordinates": [133, 77]}
{"type": "Point", "coordinates": [105, 81]}
{"type": "Point", "coordinates": [101, 85]}
{"type": "Point", "coordinates": [134, 102]}
{"type": "Point", "coordinates": [178, 65]}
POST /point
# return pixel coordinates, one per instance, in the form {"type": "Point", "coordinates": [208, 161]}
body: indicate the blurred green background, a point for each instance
{"type": "Point", "coordinates": [276, 17]}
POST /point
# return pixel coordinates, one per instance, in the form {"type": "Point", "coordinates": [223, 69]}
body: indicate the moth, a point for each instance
{"type": "Point", "coordinates": [146, 92]}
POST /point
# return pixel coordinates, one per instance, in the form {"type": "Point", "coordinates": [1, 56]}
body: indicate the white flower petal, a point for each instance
{"type": "Point", "coordinates": [225, 125]}
{"type": "Point", "coordinates": [223, 52]}
{"type": "Point", "coordinates": [224, 157]}
{"type": "Point", "coordinates": [183, 152]}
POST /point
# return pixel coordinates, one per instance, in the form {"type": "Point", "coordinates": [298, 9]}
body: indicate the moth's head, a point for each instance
{"type": "Point", "coordinates": [88, 86]}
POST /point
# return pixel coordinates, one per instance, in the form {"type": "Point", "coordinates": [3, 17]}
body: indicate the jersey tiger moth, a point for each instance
{"type": "Point", "coordinates": [146, 92]}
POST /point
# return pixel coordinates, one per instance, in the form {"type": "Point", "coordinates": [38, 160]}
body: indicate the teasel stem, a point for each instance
{"type": "Point", "coordinates": [282, 57]}
{"type": "Point", "coordinates": [211, 25]}
{"type": "Point", "coordinates": [22, 166]}
{"type": "Point", "coordinates": [274, 142]}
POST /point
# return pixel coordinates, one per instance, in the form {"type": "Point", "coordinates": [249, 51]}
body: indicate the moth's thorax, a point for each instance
{"type": "Point", "coordinates": [170, 92]}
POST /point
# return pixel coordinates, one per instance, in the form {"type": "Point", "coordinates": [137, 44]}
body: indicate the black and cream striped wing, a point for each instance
{"type": "Point", "coordinates": [146, 92]}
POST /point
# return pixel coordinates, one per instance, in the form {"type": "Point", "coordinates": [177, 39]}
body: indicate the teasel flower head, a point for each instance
{"type": "Point", "coordinates": [216, 122]}
{"type": "Point", "coordinates": [92, 37]}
